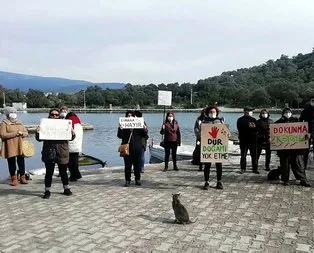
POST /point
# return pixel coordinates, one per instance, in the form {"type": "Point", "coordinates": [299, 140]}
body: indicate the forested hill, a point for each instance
{"type": "Point", "coordinates": [272, 84]}
{"type": "Point", "coordinates": [289, 80]}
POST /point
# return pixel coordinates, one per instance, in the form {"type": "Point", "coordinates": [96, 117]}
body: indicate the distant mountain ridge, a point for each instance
{"type": "Point", "coordinates": [54, 84]}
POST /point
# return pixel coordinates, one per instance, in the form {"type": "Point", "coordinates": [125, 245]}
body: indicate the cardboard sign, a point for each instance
{"type": "Point", "coordinates": [214, 143]}
{"type": "Point", "coordinates": [164, 97]}
{"type": "Point", "coordinates": [131, 123]}
{"type": "Point", "coordinates": [288, 136]}
{"type": "Point", "coordinates": [55, 129]}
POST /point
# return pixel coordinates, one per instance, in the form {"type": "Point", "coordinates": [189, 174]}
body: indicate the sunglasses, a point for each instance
{"type": "Point", "coordinates": [54, 114]}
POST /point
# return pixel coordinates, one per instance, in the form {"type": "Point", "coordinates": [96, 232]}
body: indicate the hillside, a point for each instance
{"type": "Point", "coordinates": [25, 82]}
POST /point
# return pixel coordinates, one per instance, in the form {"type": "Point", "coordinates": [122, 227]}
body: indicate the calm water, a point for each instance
{"type": "Point", "coordinates": [102, 142]}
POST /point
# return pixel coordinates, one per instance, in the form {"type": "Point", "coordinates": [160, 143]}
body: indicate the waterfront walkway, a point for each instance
{"type": "Point", "coordinates": [251, 214]}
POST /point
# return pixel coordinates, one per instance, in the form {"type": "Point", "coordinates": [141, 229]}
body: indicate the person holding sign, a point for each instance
{"type": "Point", "coordinates": [132, 136]}
{"type": "Point", "coordinates": [293, 157]}
{"type": "Point", "coordinates": [263, 136]}
{"type": "Point", "coordinates": [248, 138]}
{"type": "Point", "coordinates": [211, 117]}
{"type": "Point", "coordinates": [55, 151]}
{"type": "Point", "coordinates": [172, 139]}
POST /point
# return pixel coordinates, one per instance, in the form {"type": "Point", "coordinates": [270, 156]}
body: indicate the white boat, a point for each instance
{"type": "Point", "coordinates": [184, 152]}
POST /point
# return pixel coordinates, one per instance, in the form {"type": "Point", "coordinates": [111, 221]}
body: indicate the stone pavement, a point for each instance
{"type": "Point", "coordinates": [249, 215]}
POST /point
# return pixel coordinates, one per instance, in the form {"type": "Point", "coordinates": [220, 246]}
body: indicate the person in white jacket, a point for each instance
{"type": "Point", "coordinates": [75, 147]}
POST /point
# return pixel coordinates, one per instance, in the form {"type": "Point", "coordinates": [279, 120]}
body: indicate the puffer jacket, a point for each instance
{"type": "Point", "coordinates": [55, 151]}
{"type": "Point", "coordinates": [11, 144]}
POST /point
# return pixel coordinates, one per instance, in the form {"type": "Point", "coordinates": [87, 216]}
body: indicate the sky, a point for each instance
{"type": "Point", "coordinates": [149, 41]}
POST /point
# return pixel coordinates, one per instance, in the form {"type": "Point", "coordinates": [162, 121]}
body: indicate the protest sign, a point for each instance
{"type": "Point", "coordinates": [55, 129]}
{"type": "Point", "coordinates": [288, 136]}
{"type": "Point", "coordinates": [131, 122]}
{"type": "Point", "coordinates": [214, 143]}
{"type": "Point", "coordinates": [164, 97]}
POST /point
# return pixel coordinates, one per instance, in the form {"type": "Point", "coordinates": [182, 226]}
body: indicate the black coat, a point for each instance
{"type": "Point", "coordinates": [136, 143]}
{"type": "Point", "coordinates": [307, 115]}
{"type": "Point", "coordinates": [263, 130]}
{"type": "Point", "coordinates": [247, 134]}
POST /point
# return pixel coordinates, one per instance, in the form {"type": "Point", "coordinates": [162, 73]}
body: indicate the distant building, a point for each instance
{"type": "Point", "coordinates": [20, 106]}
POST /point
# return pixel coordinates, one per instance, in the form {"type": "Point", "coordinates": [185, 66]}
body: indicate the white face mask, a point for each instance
{"type": "Point", "coordinates": [63, 114]}
{"type": "Point", "coordinates": [12, 115]}
{"type": "Point", "coordinates": [212, 115]}
{"type": "Point", "coordinates": [287, 115]}
{"type": "Point", "coordinates": [250, 113]}
{"type": "Point", "coordinates": [264, 115]}
{"type": "Point", "coordinates": [312, 103]}
{"type": "Point", "coordinates": [170, 118]}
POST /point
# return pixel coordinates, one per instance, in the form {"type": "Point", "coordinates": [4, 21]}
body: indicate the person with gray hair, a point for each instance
{"type": "Point", "coordinates": [11, 132]}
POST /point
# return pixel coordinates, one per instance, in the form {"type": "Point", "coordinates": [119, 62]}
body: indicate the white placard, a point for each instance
{"type": "Point", "coordinates": [164, 97]}
{"type": "Point", "coordinates": [131, 122]}
{"type": "Point", "coordinates": [55, 129]}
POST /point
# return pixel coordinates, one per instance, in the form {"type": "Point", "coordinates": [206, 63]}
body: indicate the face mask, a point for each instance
{"type": "Point", "coordinates": [170, 118]}
{"type": "Point", "coordinates": [264, 115]}
{"type": "Point", "coordinates": [312, 103]}
{"type": "Point", "coordinates": [12, 115]}
{"type": "Point", "coordinates": [212, 115]}
{"type": "Point", "coordinates": [250, 113]}
{"type": "Point", "coordinates": [287, 115]}
{"type": "Point", "coordinates": [63, 114]}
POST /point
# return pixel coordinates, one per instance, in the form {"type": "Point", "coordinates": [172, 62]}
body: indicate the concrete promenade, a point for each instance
{"type": "Point", "coordinates": [250, 214]}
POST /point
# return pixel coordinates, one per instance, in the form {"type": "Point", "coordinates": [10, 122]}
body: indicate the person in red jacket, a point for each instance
{"type": "Point", "coordinates": [172, 139]}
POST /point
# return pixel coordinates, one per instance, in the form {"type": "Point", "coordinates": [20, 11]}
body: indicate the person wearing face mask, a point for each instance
{"type": "Point", "coordinates": [247, 132]}
{"type": "Point", "coordinates": [263, 136]}
{"type": "Point", "coordinates": [197, 133]}
{"type": "Point", "coordinates": [307, 115]}
{"type": "Point", "coordinates": [291, 157]}
{"type": "Point", "coordinates": [63, 112]}
{"type": "Point", "coordinates": [11, 132]}
{"type": "Point", "coordinates": [211, 117]}
{"type": "Point", "coordinates": [172, 139]}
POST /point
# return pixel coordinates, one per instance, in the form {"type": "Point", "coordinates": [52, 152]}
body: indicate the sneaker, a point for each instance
{"type": "Point", "coordinates": [305, 184]}
{"type": "Point", "coordinates": [206, 186]}
{"type": "Point", "coordinates": [138, 182]}
{"type": "Point", "coordinates": [200, 168]}
{"type": "Point", "coordinates": [175, 168]}
{"type": "Point", "coordinates": [46, 195]}
{"type": "Point", "coordinates": [166, 168]}
{"type": "Point", "coordinates": [67, 192]}
{"type": "Point", "coordinates": [255, 171]}
{"type": "Point", "coordinates": [242, 171]}
{"type": "Point", "coordinates": [72, 179]}
{"type": "Point", "coordinates": [219, 186]}
{"type": "Point", "coordinates": [127, 183]}
{"type": "Point", "coordinates": [285, 183]}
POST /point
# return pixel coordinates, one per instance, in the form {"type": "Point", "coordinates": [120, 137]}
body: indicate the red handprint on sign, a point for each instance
{"type": "Point", "coordinates": [214, 132]}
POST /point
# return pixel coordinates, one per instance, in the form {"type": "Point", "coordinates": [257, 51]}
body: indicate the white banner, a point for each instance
{"type": "Point", "coordinates": [131, 123]}
{"type": "Point", "coordinates": [55, 129]}
{"type": "Point", "coordinates": [164, 97]}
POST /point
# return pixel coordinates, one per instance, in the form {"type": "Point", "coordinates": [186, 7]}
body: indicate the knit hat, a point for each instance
{"type": "Point", "coordinates": [287, 109]}
{"type": "Point", "coordinates": [9, 110]}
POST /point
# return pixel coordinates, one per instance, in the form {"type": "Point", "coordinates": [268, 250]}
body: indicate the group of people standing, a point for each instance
{"type": "Point", "coordinates": [63, 153]}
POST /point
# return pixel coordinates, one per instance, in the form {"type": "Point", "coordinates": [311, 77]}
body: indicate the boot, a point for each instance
{"type": "Point", "coordinates": [23, 180]}
{"type": "Point", "coordinates": [14, 181]}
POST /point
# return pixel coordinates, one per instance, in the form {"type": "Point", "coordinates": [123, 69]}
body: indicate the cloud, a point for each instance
{"type": "Point", "coordinates": [149, 41]}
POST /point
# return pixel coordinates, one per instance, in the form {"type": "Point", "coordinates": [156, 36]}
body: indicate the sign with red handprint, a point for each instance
{"type": "Point", "coordinates": [214, 143]}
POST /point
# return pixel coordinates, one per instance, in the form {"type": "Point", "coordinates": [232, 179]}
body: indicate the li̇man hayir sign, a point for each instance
{"type": "Point", "coordinates": [214, 143]}
{"type": "Point", "coordinates": [289, 136]}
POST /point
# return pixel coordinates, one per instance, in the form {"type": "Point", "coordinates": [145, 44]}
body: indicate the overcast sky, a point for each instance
{"type": "Point", "coordinates": [149, 41]}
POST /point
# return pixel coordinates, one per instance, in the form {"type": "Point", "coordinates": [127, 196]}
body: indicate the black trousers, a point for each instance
{"type": "Point", "coordinates": [173, 146]}
{"type": "Point", "coordinates": [134, 159]}
{"type": "Point", "coordinates": [297, 165]}
{"type": "Point", "coordinates": [50, 167]}
{"type": "Point", "coordinates": [266, 147]}
{"type": "Point", "coordinates": [218, 171]}
{"type": "Point", "coordinates": [73, 166]}
{"type": "Point", "coordinates": [12, 165]}
{"type": "Point", "coordinates": [244, 147]}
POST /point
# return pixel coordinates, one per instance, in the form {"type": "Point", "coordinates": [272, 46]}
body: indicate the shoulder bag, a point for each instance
{"type": "Point", "coordinates": [124, 149]}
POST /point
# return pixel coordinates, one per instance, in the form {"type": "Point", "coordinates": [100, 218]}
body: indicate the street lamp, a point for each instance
{"type": "Point", "coordinates": [84, 100]}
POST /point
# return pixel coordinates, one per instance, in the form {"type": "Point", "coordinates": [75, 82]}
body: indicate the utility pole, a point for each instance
{"type": "Point", "coordinates": [3, 94]}
{"type": "Point", "coordinates": [191, 95]}
{"type": "Point", "coordinates": [84, 100]}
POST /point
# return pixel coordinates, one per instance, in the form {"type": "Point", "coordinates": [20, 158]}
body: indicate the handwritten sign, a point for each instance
{"type": "Point", "coordinates": [164, 97]}
{"type": "Point", "coordinates": [288, 136]}
{"type": "Point", "coordinates": [214, 143]}
{"type": "Point", "coordinates": [55, 129]}
{"type": "Point", "coordinates": [131, 123]}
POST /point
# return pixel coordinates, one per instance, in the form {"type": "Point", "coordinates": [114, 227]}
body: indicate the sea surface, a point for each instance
{"type": "Point", "coordinates": [102, 141]}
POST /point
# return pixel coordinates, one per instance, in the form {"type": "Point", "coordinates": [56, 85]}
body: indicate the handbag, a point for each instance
{"type": "Point", "coordinates": [124, 149]}
{"type": "Point", "coordinates": [28, 148]}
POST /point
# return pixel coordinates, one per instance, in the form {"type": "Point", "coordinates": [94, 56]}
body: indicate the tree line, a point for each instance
{"type": "Point", "coordinates": [272, 84]}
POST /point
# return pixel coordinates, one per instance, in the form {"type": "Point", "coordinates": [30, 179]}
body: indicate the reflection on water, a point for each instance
{"type": "Point", "coordinates": [102, 142]}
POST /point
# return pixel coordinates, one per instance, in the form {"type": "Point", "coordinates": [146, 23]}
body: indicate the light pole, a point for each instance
{"type": "Point", "coordinates": [84, 100]}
